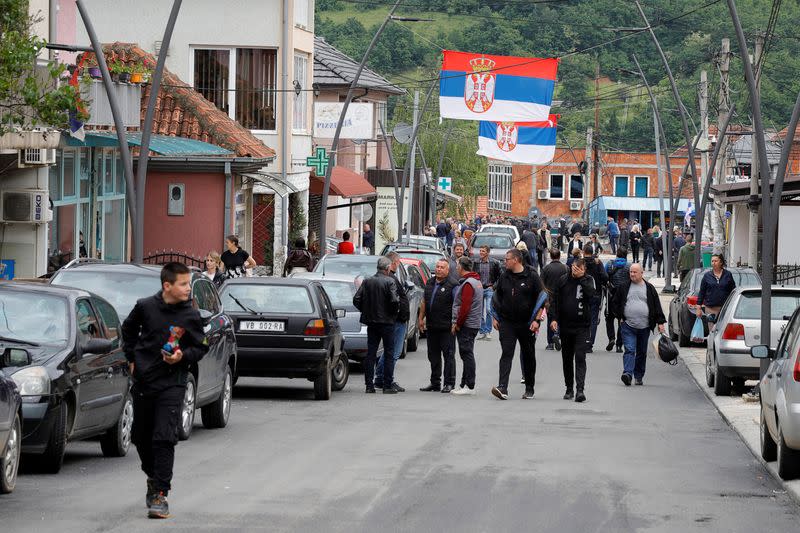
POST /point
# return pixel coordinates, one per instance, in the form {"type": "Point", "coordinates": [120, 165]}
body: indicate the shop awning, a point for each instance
{"type": "Point", "coordinates": [344, 183]}
{"type": "Point", "coordinates": [635, 203]}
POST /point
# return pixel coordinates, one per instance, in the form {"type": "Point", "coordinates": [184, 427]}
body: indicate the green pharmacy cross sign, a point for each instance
{"type": "Point", "coordinates": [319, 162]}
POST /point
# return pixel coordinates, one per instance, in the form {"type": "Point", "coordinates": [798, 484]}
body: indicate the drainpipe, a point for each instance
{"type": "Point", "coordinates": [228, 189]}
{"type": "Point", "coordinates": [285, 131]}
{"type": "Point", "coordinates": [52, 29]}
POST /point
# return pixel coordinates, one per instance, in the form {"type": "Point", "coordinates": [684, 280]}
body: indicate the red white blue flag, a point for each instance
{"type": "Point", "coordinates": [533, 143]}
{"type": "Point", "coordinates": [499, 88]}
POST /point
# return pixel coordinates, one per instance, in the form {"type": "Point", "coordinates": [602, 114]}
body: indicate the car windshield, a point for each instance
{"type": "Point", "coordinates": [348, 267]}
{"type": "Point", "coordinates": [492, 241]}
{"type": "Point", "coordinates": [121, 289]}
{"type": "Point", "coordinates": [428, 259]}
{"type": "Point", "coordinates": [783, 304]}
{"type": "Point", "coordinates": [262, 298]}
{"type": "Point", "coordinates": [341, 293]}
{"type": "Point", "coordinates": [32, 317]}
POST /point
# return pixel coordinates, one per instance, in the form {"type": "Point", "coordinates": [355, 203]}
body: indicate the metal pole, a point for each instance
{"type": "Point", "coordinates": [704, 174]}
{"type": "Point", "coordinates": [391, 162]}
{"type": "Point", "coordinates": [439, 172]}
{"type": "Point", "coordinates": [660, 172]}
{"type": "Point", "coordinates": [412, 166]}
{"type": "Point", "coordinates": [119, 124]}
{"type": "Point", "coordinates": [147, 127]}
{"type": "Point", "coordinates": [421, 211]}
{"type": "Point", "coordinates": [755, 177]}
{"type": "Point", "coordinates": [724, 108]}
{"type": "Point", "coordinates": [684, 122]}
{"type": "Point", "coordinates": [335, 144]}
{"type": "Point", "coordinates": [286, 135]}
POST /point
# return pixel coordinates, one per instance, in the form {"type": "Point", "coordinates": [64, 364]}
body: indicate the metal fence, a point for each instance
{"type": "Point", "coordinates": [787, 274]}
{"type": "Point", "coordinates": [163, 257]}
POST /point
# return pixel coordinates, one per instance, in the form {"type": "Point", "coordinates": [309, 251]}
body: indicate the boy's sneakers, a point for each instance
{"type": "Point", "coordinates": [528, 394]}
{"type": "Point", "coordinates": [151, 492]}
{"type": "Point", "coordinates": [569, 395]}
{"type": "Point", "coordinates": [159, 508]}
{"type": "Point", "coordinates": [463, 391]}
{"type": "Point", "coordinates": [480, 336]}
{"type": "Point", "coordinates": [626, 379]}
{"type": "Point", "coordinates": [580, 397]}
{"type": "Point", "coordinates": [500, 394]}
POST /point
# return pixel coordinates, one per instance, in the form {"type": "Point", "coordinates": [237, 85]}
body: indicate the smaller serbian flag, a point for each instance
{"type": "Point", "coordinates": [532, 143]}
{"type": "Point", "coordinates": [501, 88]}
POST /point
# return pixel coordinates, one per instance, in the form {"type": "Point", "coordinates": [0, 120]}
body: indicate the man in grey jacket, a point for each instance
{"type": "Point", "coordinates": [467, 313]}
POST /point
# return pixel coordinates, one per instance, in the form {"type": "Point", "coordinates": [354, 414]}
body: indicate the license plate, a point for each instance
{"type": "Point", "coordinates": [261, 325]}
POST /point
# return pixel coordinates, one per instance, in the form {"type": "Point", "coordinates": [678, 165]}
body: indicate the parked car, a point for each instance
{"type": "Point", "coordinates": [418, 271]}
{"type": "Point", "coordinates": [738, 328]}
{"type": "Point", "coordinates": [417, 241]}
{"type": "Point", "coordinates": [682, 308]}
{"type": "Point", "coordinates": [429, 256]}
{"type": "Point", "coordinates": [506, 229]}
{"type": "Point", "coordinates": [780, 401]}
{"type": "Point", "coordinates": [286, 328]}
{"type": "Point", "coordinates": [498, 243]}
{"type": "Point", "coordinates": [365, 266]}
{"type": "Point", "coordinates": [10, 418]}
{"type": "Point", "coordinates": [210, 384]}
{"type": "Point", "coordinates": [76, 383]}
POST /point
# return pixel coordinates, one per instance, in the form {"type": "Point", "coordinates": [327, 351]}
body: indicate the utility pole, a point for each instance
{"type": "Point", "coordinates": [722, 140]}
{"type": "Point", "coordinates": [587, 182]}
{"type": "Point", "coordinates": [598, 191]}
{"type": "Point", "coordinates": [660, 173]}
{"type": "Point", "coordinates": [412, 168]}
{"type": "Point", "coordinates": [706, 229]}
{"type": "Point", "coordinates": [754, 168]}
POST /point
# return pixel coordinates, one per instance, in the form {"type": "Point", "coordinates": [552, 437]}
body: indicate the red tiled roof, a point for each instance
{"type": "Point", "coordinates": [183, 112]}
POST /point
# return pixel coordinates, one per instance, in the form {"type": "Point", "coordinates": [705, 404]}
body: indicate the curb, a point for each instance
{"type": "Point", "coordinates": [792, 488]}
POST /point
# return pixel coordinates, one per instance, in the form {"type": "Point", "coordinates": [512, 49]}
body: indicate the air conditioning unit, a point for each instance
{"type": "Point", "coordinates": [37, 156]}
{"type": "Point", "coordinates": [543, 195]}
{"type": "Point", "coordinates": [575, 206]}
{"type": "Point", "coordinates": [24, 206]}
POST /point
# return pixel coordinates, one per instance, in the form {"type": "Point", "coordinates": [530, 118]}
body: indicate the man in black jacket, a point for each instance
{"type": "Point", "coordinates": [595, 269]}
{"type": "Point", "coordinates": [513, 305]}
{"type": "Point", "coordinates": [435, 316]}
{"type": "Point", "coordinates": [400, 327]}
{"type": "Point", "coordinates": [489, 271]}
{"type": "Point", "coordinates": [551, 273]}
{"type": "Point", "coordinates": [378, 301]}
{"type": "Point", "coordinates": [618, 273]}
{"type": "Point", "coordinates": [162, 336]}
{"type": "Point", "coordinates": [570, 314]}
{"type": "Point", "coordinates": [531, 240]}
{"type": "Point", "coordinates": [636, 303]}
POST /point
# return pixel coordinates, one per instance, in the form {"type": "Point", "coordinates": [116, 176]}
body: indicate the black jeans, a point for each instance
{"type": "Point", "coordinates": [375, 334]}
{"type": "Point", "coordinates": [156, 418]}
{"type": "Point", "coordinates": [659, 263]}
{"type": "Point", "coordinates": [466, 349]}
{"type": "Point", "coordinates": [510, 333]}
{"type": "Point", "coordinates": [441, 345]}
{"type": "Point", "coordinates": [573, 354]}
{"type": "Point", "coordinates": [594, 305]}
{"type": "Point", "coordinates": [635, 250]}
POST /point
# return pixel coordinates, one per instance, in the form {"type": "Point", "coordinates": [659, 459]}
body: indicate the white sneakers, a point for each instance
{"type": "Point", "coordinates": [463, 391]}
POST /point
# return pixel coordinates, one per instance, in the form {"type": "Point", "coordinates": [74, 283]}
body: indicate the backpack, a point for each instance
{"type": "Point", "coordinates": [618, 274]}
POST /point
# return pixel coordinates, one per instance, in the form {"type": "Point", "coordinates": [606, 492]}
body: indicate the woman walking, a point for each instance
{"type": "Point", "coordinates": [716, 286]}
{"type": "Point", "coordinates": [636, 242]}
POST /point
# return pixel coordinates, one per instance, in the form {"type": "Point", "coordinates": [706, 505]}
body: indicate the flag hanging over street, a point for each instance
{"type": "Point", "coordinates": [501, 88]}
{"type": "Point", "coordinates": [533, 143]}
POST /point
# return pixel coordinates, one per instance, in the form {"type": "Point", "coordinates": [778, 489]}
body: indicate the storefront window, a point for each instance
{"type": "Point", "coordinates": [114, 230]}
{"type": "Point", "coordinates": [68, 175]}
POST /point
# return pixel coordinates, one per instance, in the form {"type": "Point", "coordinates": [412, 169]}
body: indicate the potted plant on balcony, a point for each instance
{"type": "Point", "coordinates": [125, 74]}
{"type": "Point", "coordinates": [92, 68]}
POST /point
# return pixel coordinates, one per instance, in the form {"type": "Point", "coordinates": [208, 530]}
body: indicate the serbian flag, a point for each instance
{"type": "Point", "coordinates": [533, 143]}
{"type": "Point", "coordinates": [500, 88]}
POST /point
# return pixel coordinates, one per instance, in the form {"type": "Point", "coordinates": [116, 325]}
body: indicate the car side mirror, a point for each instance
{"type": "Point", "coordinates": [341, 313]}
{"type": "Point", "coordinates": [13, 357]}
{"type": "Point", "coordinates": [97, 346]}
{"type": "Point", "coordinates": [761, 351]}
{"type": "Point", "coordinates": [205, 316]}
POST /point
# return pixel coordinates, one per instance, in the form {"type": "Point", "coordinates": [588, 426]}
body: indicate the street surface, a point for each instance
{"type": "Point", "coordinates": [652, 458]}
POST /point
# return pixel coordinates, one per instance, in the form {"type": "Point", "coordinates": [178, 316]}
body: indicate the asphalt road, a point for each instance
{"type": "Point", "coordinates": [652, 458]}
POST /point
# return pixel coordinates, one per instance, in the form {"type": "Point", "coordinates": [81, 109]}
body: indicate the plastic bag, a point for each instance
{"type": "Point", "coordinates": [665, 349]}
{"type": "Point", "coordinates": [698, 331]}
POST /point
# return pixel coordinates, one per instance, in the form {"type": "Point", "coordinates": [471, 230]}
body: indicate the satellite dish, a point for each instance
{"type": "Point", "coordinates": [402, 132]}
{"type": "Point", "coordinates": [362, 212]}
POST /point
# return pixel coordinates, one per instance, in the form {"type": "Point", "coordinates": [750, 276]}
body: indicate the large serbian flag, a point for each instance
{"type": "Point", "coordinates": [501, 88]}
{"type": "Point", "coordinates": [533, 143]}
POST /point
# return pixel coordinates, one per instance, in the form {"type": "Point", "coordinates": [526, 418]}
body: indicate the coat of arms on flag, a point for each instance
{"type": "Point", "coordinates": [533, 143]}
{"type": "Point", "coordinates": [496, 88]}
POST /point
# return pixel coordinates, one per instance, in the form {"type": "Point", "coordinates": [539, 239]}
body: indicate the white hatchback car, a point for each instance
{"type": "Point", "coordinates": [780, 401]}
{"type": "Point", "coordinates": [511, 231]}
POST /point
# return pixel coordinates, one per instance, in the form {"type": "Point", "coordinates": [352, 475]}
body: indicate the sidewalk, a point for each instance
{"type": "Point", "coordinates": [742, 416]}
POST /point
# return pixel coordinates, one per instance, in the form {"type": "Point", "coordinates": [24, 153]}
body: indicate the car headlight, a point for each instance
{"type": "Point", "coordinates": [32, 381]}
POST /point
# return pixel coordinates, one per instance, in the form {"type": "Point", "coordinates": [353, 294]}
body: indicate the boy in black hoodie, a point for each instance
{"type": "Point", "coordinates": [163, 336]}
{"type": "Point", "coordinates": [570, 313]}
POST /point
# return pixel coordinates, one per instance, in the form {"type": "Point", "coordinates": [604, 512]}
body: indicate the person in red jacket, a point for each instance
{"type": "Point", "coordinates": [346, 247]}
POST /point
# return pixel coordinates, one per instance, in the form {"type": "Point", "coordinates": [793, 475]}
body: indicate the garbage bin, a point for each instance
{"type": "Point", "coordinates": [706, 255]}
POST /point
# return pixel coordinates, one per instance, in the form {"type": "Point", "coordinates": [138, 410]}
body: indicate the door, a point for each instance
{"type": "Point", "coordinates": [328, 312]}
{"type": "Point", "coordinates": [90, 373]}
{"type": "Point", "coordinates": [116, 361]}
{"type": "Point", "coordinates": [210, 368]}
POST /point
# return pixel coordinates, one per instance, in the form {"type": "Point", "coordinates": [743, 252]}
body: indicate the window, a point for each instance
{"type": "Point", "coordinates": [301, 13]}
{"type": "Point", "coordinates": [110, 320]}
{"type": "Point", "coordinates": [381, 114]}
{"type": "Point", "coordinates": [206, 299]}
{"type": "Point", "coordinates": [250, 72]}
{"type": "Point", "coordinates": [620, 185]}
{"type": "Point", "coordinates": [88, 327]}
{"type": "Point", "coordinates": [576, 187]}
{"type": "Point", "coordinates": [641, 186]}
{"type": "Point", "coordinates": [300, 114]}
{"type": "Point", "coordinates": [272, 299]}
{"type": "Point", "coordinates": [500, 187]}
{"type": "Point", "coordinates": [556, 187]}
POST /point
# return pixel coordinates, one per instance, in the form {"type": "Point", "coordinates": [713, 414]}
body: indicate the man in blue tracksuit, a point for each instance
{"type": "Point", "coordinates": [613, 234]}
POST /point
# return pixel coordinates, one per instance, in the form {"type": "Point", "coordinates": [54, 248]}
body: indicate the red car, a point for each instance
{"type": "Point", "coordinates": [418, 271]}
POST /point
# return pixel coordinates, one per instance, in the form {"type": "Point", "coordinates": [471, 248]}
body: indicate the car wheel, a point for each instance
{"type": "Point", "coordinates": [322, 383]}
{"type": "Point", "coordinates": [340, 372]}
{"type": "Point", "coordinates": [187, 409]}
{"type": "Point", "coordinates": [9, 461]}
{"type": "Point", "coordinates": [53, 456]}
{"type": "Point", "coordinates": [117, 440]}
{"type": "Point", "coordinates": [413, 341]}
{"type": "Point", "coordinates": [722, 383]}
{"type": "Point", "coordinates": [216, 415]}
{"type": "Point", "coordinates": [788, 459]}
{"type": "Point", "coordinates": [769, 450]}
{"type": "Point", "coordinates": [709, 367]}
